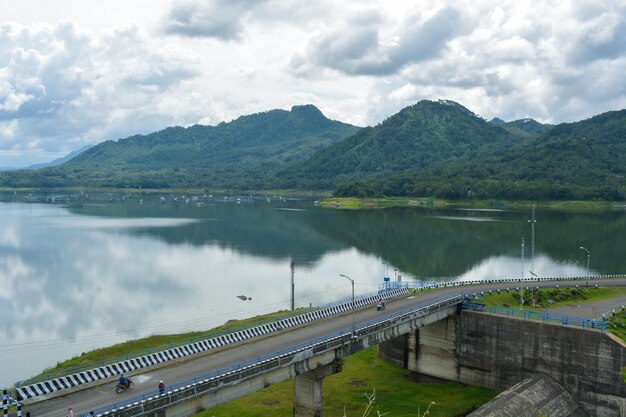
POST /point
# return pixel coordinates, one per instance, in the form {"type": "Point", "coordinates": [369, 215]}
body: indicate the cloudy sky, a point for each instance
{"type": "Point", "coordinates": [76, 72]}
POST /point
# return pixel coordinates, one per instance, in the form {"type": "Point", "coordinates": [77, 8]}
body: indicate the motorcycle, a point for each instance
{"type": "Point", "coordinates": [119, 388]}
{"type": "Point", "coordinates": [380, 306]}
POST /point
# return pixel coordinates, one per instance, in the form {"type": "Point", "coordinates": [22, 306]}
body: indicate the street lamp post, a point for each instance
{"type": "Point", "coordinates": [532, 296]}
{"type": "Point", "coordinates": [588, 256]}
{"type": "Point", "coordinates": [521, 299]}
{"type": "Point", "coordinates": [351, 282]}
{"type": "Point", "coordinates": [532, 240]}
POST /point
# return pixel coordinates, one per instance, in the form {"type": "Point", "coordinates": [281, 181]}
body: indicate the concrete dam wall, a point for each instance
{"type": "Point", "coordinates": [497, 352]}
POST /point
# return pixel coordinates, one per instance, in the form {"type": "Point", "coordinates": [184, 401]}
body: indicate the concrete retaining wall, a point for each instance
{"type": "Point", "coordinates": [395, 351]}
{"type": "Point", "coordinates": [497, 352]}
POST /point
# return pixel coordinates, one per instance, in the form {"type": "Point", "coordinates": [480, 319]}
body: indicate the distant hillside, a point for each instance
{"type": "Point", "coordinates": [523, 127]}
{"type": "Point", "coordinates": [61, 160]}
{"type": "Point", "coordinates": [419, 136]}
{"type": "Point", "coordinates": [55, 162]}
{"type": "Point", "coordinates": [239, 154]}
{"type": "Point", "coordinates": [432, 148]}
{"type": "Point", "coordinates": [582, 160]}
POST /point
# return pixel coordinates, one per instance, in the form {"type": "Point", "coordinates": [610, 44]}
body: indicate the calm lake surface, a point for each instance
{"type": "Point", "coordinates": [89, 271]}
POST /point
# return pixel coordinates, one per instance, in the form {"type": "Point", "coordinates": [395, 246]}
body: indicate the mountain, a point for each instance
{"type": "Point", "coordinates": [523, 127]}
{"type": "Point", "coordinates": [238, 154]}
{"type": "Point", "coordinates": [419, 136]}
{"type": "Point", "coordinates": [432, 148]}
{"type": "Point", "coordinates": [61, 160]}
{"type": "Point", "coordinates": [581, 160]}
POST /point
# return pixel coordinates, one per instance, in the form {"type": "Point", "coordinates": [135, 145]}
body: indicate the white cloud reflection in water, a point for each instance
{"type": "Point", "coordinates": [70, 283]}
{"type": "Point", "coordinates": [76, 283]}
{"type": "Point", "coordinates": [510, 267]}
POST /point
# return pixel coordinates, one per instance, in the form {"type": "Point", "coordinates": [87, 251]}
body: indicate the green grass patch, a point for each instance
{"type": "Point", "coordinates": [553, 297]}
{"type": "Point", "coordinates": [349, 203]}
{"type": "Point", "coordinates": [354, 203]}
{"type": "Point", "coordinates": [363, 373]}
{"type": "Point", "coordinates": [137, 347]}
{"type": "Point", "coordinates": [617, 326]}
{"type": "Point", "coordinates": [545, 298]}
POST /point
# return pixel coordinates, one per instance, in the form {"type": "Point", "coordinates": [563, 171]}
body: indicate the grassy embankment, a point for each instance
{"type": "Point", "coordinates": [138, 347]}
{"type": "Point", "coordinates": [349, 203]}
{"type": "Point", "coordinates": [546, 298]}
{"type": "Point", "coordinates": [396, 394]}
{"type": "Point", "coordinates": [364, 373]}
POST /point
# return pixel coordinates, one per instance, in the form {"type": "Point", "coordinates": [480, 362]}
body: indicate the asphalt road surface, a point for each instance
{"type": "Point", "coordinates": [99, 394]}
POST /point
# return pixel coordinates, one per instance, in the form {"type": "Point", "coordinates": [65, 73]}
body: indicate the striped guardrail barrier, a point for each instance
{"type": "Point", "coordinates": [86, 374]}
{"type": "Point", "coordinates": [332, 341]}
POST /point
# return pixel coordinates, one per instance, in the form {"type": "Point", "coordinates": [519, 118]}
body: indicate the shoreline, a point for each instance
{"type": "Point", "coordinates": [353, 203]}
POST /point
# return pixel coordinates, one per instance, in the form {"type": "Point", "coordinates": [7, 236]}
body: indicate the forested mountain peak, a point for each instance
{"type": "Point", "coordinates": [580, 160]}
{"type": "Point", "coordinates": [609, 127]}
{"type": "Point", "coordinates": [418, 136]}
{"type": "Point", "coordinates": [239, 153]}
{"type": "Point", "coordinates": [430, 108]}
{"type": "Point", "coordinates": [528, 126]}
{"type": "Point", "coordinates": [430, 148]}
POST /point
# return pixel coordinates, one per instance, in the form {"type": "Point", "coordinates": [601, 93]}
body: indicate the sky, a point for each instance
{"type": "Point", "coordinates": [78, 72]}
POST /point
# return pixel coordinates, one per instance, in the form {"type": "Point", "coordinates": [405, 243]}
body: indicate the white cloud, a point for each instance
{"type": "Point", "coordinates": [552, 63]}
{"type": "Point", "coordinates": [64, 84]}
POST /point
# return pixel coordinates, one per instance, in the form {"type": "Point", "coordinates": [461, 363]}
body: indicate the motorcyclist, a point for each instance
{"type": "Point", "coordinates": [381, 302]}
{"type": "Point", "coordinates": [123, 381]}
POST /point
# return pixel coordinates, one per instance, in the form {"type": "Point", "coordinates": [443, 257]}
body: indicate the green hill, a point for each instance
{"type": "Point", "coordinates": [582, 160]}
{"type": "Point", "coordinates": [523, 127]}
{"type": "Point", "coordinates": [432, 148]}
{"type": "Point", "coordinates": [239, 154]}
{"type": "Point", "coordinates": [419, 136]}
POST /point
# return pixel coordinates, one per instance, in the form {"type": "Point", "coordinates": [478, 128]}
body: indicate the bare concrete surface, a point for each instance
{"type": "Point", "coordinates": [95, 395]}
{"type": "Point", "coordinates": [538, 395]}
{"type": "Point", "coordinates": [591, 310]}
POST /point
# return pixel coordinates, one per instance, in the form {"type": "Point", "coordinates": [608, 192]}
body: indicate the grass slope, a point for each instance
{"type": "Point", "coordinates": [552, 297]}
{"type": "Point", "coordinates": [364, 373]}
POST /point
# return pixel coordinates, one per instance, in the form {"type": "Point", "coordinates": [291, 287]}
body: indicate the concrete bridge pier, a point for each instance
{"type": "Point", "coordinates": [307, 390]}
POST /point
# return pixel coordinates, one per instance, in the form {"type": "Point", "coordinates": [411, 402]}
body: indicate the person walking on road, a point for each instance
{"type": "Point", "coordinates": [70, 412]}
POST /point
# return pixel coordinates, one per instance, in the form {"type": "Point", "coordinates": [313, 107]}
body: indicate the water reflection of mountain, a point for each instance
{"type": "Point", "coordinates": [448, 242]}
{"type": "Point", "coordinates": [277, 230]}
{"type": "Point", "coordinates": [423, 242]}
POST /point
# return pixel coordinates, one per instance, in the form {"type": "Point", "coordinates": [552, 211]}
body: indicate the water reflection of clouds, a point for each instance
{"type": "Point", "coordinates": [509, 267]}
{"type": "Point", "coordinates": [13, 270]}
{"type": "Point", "coordinates": [90, 222]}
{"type": "Point", "coordinates": [290, 209]}
{"type": "Point", "coordinates": [9, 237]}
{"type": "Point", "coordinates": [480, 209]}
{"type": "Point", "coordinates": [76, 282]}
{"type": "Point", "coordinates": [98, 288]}
{"type": "Point", "coordinates": [467, 218]}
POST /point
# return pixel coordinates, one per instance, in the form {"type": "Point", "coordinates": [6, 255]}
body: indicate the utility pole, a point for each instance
{"type": "Point", "coordinates": [521, 298]}
{"type": "Point", "coordinates": [532, 253]}
{"type": "Point", "coordinates": [532, 240]}
{"type": "Point", "coordinates": [588, 256]}
{"type": "Point", "coordinates": [293, 301]}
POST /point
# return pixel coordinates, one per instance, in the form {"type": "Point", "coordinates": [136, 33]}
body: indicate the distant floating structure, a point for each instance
{"type": "Point", "coordinates": [244, 298]}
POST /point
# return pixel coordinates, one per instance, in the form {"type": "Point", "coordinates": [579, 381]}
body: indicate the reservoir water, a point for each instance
{"type": "Point", "coordinates": [80, 272]}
